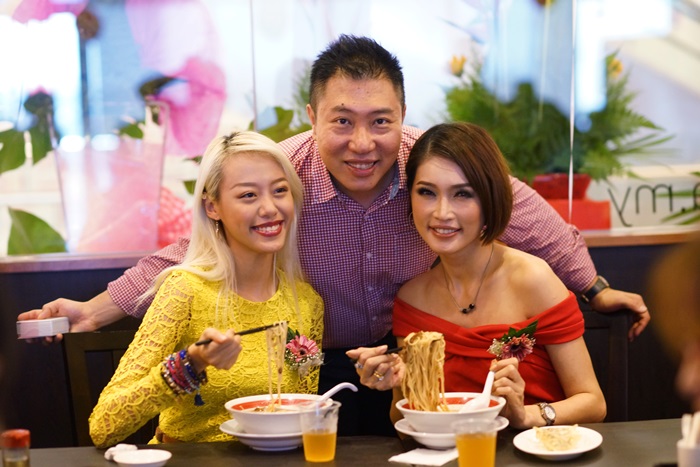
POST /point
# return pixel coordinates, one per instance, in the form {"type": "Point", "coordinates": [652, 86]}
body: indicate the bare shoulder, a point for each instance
{"type": "Point", "coordinates": [533, 279]}
{"type": "Point", "coordinates": [414, 291]}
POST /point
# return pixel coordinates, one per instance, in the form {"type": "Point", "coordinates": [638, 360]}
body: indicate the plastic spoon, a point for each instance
{"type": "Point", "coordinates": [686, 422]}
{"type": "Point", "coordinates": [324, 397]}
{"type": "Point", "coordinates": [327, 395]}
{"type": "Point", "coordinates": [482, 400]}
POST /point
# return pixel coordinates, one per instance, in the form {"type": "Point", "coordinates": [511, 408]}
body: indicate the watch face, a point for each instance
{"type": "Point", "coordinates": [549, 412]}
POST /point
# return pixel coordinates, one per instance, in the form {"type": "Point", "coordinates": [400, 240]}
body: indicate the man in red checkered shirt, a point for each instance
{"type": "Point", "coordinates": [356, 240]}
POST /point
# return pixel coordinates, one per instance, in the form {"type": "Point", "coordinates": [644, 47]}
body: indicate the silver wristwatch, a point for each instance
{"type": "Point", "coordinates": [547, 412]}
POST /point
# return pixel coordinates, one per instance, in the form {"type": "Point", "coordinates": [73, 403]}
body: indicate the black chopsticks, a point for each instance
{"type": "Point", "coordinates": [247, 331]}
{"type": "Point", "coordinates": [392, 350]}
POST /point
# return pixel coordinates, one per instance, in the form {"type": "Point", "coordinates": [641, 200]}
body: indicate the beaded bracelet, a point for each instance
{"type": "Point", "coordinates": [200, 378]}
{"type": "Point", "coordinates": [169, 381]}
{"type": "Point", "coordinates": [180, 376]}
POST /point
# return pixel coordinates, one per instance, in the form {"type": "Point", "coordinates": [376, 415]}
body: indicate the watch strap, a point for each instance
{"type": "Point", "coordinates": [599, 285]}
{"type": "Point", "coordinates": [544, 409]}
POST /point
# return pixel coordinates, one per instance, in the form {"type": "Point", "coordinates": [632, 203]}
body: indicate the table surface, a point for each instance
{"type": "Point", "coordinates": [639, 443]}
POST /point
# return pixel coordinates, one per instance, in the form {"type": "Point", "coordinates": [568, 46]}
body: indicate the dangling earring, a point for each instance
{"type": "Point", "coordinates": [410, 216]}
{"type": "Point", "coordinates": [216, 224]}
{"type": "Point", "coordinates": [482, 234]}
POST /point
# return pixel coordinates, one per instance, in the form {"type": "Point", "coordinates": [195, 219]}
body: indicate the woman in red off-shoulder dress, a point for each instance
{"type": "Point", "coordinates": [461, 200]}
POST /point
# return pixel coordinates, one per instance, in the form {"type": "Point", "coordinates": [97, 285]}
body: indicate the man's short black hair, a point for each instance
{"type": "Point", "coordinates": [356, 58]}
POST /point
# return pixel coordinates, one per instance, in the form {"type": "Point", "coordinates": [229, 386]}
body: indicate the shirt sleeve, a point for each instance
{"type": "Point", "coordinates": [125, 290]}
{"type": "Point", "coordinates": [536, 228]}
{"type": "Point", "coordinates": [137, 391]}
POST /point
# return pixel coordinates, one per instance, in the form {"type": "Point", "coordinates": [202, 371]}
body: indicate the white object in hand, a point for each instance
{"type": "Point", "coordinates": [31, 328]}
{"type": "Point", "coordinates": [481, 401]}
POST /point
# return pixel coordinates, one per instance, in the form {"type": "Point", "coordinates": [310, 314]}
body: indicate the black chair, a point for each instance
{"type": "Point", "coordinates": [91, 359]}
{"type": "Point", "coordinates": [606, 339]}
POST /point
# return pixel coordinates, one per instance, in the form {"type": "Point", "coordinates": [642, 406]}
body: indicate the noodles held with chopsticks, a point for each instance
{"type": "Point", "coordinates": [276, 340]}
{"type": "Point", "coordinates": [424, 382]}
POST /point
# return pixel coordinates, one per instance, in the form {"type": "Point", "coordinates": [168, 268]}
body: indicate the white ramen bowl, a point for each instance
{"type": "Point", "coordinates": [439, 422]}
{"type": "Point", "coordinates": [250, 413]}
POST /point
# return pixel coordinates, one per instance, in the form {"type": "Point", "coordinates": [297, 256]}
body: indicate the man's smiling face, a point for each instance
{"type": "Point", "coordinates": [357, 126]}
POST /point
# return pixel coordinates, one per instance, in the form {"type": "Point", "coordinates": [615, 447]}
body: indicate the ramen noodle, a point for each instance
{"type": "Point", "coordinates": [424, 382]}
{"type": "Point", "coordinates": [276, 340]}
{"type": "Point", "coordinates": [560, 438]}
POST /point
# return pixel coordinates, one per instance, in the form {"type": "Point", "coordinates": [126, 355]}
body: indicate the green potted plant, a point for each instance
{"type": "Point", "coordinates": [535, 135]}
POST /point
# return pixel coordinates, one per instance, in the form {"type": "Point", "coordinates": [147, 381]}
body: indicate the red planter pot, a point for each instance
{"type": "Point", "coordinates": [556, 186]}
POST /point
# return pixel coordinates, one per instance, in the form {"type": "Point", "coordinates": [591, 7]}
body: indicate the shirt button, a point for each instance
{"type": "Point", "coordinates": [370, 288]}
{"type": "Point", "coordinates": [374, 318]}
{"type": "Point", "coordinates": [369, 255]}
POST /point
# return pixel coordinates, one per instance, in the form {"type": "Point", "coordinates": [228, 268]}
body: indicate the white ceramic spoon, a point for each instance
{"type": "Point", "coordinates": [482, 400]}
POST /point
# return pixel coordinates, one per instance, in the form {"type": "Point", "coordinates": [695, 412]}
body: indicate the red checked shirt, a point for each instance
{"type": "Point", "coordinates": [357, 258]}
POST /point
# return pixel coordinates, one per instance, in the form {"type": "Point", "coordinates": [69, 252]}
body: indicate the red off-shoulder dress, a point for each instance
{"type": "Point", "coordinates": [467, 359]}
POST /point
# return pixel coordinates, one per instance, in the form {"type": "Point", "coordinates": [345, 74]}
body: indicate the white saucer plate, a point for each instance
{"type": "Point", "coordinates": [276, 442]}
{"type": "Point", "coordinates": [437, 440]}
{"type": "Point", "coordinates": [527, 442]}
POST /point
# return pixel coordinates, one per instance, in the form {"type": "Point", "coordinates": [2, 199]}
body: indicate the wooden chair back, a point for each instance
{"type": "Point", "coordinates": [606, 339]}
{"type": "Point", "coordinates": [91, 359]}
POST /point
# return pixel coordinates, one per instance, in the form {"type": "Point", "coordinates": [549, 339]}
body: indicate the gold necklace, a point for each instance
{"type": "Point", "coordinates": [472, 305]}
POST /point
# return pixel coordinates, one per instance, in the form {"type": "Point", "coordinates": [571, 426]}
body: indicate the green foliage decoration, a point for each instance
{"type": "Point", "coordinates": [40, 133]}
{"type": "Point", "coordinates": [12, 152]}
{"type": "Point", "coordinates": [284, 128]}
{"type": "Point", "coordinates": [534, 135]}
{"type": "Point", "coordinates": [28, 233]}
{"type": "Point", "coordinates": [691, 215]}
{"type": "Point", "coordinates": [32, 235]}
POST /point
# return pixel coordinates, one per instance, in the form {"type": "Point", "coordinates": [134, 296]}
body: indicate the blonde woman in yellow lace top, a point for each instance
{"type": "Point", "coordinates": [241, 271]}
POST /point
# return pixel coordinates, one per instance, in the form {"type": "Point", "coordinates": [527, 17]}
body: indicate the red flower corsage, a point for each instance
{"type": "Point", "coordinates": [515, 343]}
{"type": "Point", "coordinates": [301, 353]}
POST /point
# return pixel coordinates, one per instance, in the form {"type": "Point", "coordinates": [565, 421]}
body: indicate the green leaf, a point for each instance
{"type": "Point", "coordinates": [132, 130]}
{"type": "Point", "coordinates": [691, 220]}
{"type": "Point", "coordinates": [291, 334]}
{"type": "Point", "coordinates": [12, 150]}
{"type": "Point", "coordinates": [41, 140]}
{"type": "Point", "coordinates": [32, 235]}
{"type": "Point", "coordinates": [189, 186]}
{"type": "Point", "coordinates": [154, 86]}
{"type": "Point", "coordinates": [692, 215]}
{"type": "Point", "coordinates": [284, 128]}
{"type": "Point", "coordinates": [512, 332]}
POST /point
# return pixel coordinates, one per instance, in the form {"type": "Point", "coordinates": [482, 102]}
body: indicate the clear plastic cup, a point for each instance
{"type": "Point", "coordinates": [319, 428]}
{"type": "Point", "coordinates": [688, 455]}
{"type": "Point", "coordinates": [476, 442]}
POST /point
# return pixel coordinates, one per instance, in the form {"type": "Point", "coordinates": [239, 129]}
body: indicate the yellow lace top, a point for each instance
{"type": "Point", "coordinates": [183, 307]}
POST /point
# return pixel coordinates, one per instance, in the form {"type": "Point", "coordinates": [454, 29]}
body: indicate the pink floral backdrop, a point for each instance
{"type": "Point", "coordinates": [114, 200]}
